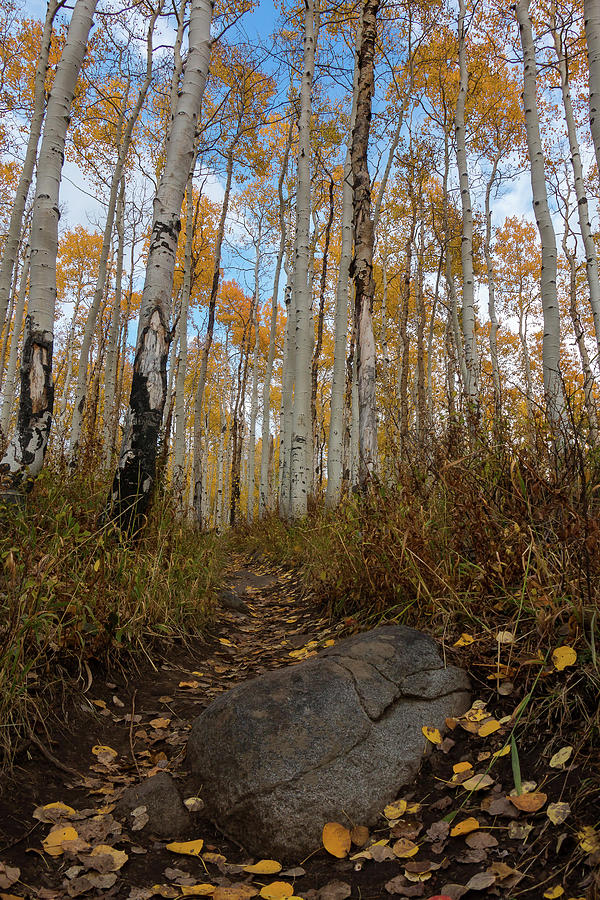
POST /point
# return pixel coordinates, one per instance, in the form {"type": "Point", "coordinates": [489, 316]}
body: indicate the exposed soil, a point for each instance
{"type": "Point", "coordinates": [265, 619]}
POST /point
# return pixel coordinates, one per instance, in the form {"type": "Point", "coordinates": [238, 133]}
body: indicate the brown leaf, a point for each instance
{"type": "Point", "coordinates": [335, 890]}
{"type": "Point", "coordinates": [529, 803]}
{"type": "Point", "coordinates": [481, 881]}
{"type": "Point", "coordinates": [481, 840]}
{"type": "Point", "coordinates": [359, 835]}
{"type": "Point", "coordinates": [439, 831]}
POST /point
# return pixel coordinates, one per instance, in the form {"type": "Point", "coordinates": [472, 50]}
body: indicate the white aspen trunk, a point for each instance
{"type": "Point", "coordinates": [384, 314]}
{"type": "Point", "coordinates": [8, 394]}
{"type": "Point", "coordinates": [179, 450]}
{"type": "Point", "coordinates": [527, 371]}
{"type": "Point", "coordinates": [263, 493]}
{"type": "Point", "coordinates": [220, 467]}
{"type": "Point", "coordinates": [123, 142]}
{"type": "Point", "coordinates": [303, 334]}
{"type": "Point", "coordinates": [8, 324]}
{"type": "Point", "coordinates": [254, 390]}
{"type": "Point", "coordinates": [110, 371]}
{"type": "Point", "coordinates": [553, 387]}
{"type": "Point", "coordinates": [199, 398]}
{"type": "Point", "coordinates": [468, 293]}
{"type": "Point", "coordinates": [591, 14]}
{"type": "Point", "coordinates": [13, 237]}
{"type": "Point", "coordinates": [24, 456]}
{"type": "Point", "coordinates": [135, 473]}
{"type": "Point", "coordinates": [591, 258]}
{"type": "Point", "coordinates": [335, 443]}
{"type": "Point", "coordinates": [287, 395]}
{"type": "Point", "coordinates": [489, 262]}
{"type": "Point", "coordinates": [588, 377]}
{"type": "Point", "coordinates": [458, 344]}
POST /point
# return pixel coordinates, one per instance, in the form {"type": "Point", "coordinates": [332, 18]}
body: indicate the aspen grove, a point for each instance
{"type": "Point", "coordinates": [300, 252]}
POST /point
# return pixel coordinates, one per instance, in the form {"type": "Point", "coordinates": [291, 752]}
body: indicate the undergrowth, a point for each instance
{"type": "Point", "coordinates": [72, 592]}
{"type": "Point", "coordinates": [486, 542]}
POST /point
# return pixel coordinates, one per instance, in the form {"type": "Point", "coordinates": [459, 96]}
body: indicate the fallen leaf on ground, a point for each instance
{"type": "Point", "coordinates": [464, 827]}
{"type": "Point", "coordinates": [336, 839]}
{"type": "Point", "coordinates": [563, 657]}
{"type": "Point", "coordinates": [187, 848]}
{"type": "Point", "coordinates": [235, 892]}
{"type": "Point", "coordinates": [197, 890]}
{"type": "Point", "coordinates": [464, 640]}
{"type": "Point", "coordinates": [106, 859]}
{"type": "Point", "coordinates": [504, 637]}
{"type": "Point", "coordinates": [481, 881]}
{"type": "Point", "coordinates": [478, 782]}
{"type": "Point", "coordinates": [335, 890]}
{"type": "Point", "coordinates": [461, 767]}
{"type": "Point", "coordinates": [104, 755]}
{"type": "Point", "coordinates": [264, 867]}
{"type": "Point", "coordinates": [404, 848]}
{"type": "Point", "coordinates": [52, 812]}
{"type": "Point", "coordinates": [558, 812]}
{"type": "Point", "coordinates": [554, 892]}
{"type": "Point", "coordinates": [589, 839]}
{"type": "Point", "coordinates": [561, 757]}
{"type": "Point", "coordinates": [8, 875]}
{"type": "Point", "coordinates": [53, 843]}
{"type": "Point", "coordinates": [432, 734]}
{"type": "Point", "coordinates": [359, 835]}
{"type": "Point", "coordinates": [489, 727]}
{"type": "Point", "coordinates": [481, 840]}
{"type": "Point", "coordinates": [277, 890]}
{"type": "Point", "coordinates": [395, 810]}
{"type": "Point", "coordinates": [529, 802]}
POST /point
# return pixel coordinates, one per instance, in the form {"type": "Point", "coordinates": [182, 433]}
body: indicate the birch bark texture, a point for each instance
{"type": "Point", "coordinates": [16, 217]}
{"type": "Point", "coordinates": [466, 247]}
{"type": "Point", "coordinates": [135, 474]}
{"type": "Point", "coordinates": [553, 386]}
{"type": "Point", "coordinates": [364, 235]}
{"type": "Point", "coordinates": [591, 15]}
{"type": "Point", "coordinates": [301, 432]}
{"type": "Point", "coordinates": [24, 456]}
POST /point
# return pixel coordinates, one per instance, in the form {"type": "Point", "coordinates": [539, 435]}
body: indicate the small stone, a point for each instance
{"type": "Point", "coordinates": [164, 809]}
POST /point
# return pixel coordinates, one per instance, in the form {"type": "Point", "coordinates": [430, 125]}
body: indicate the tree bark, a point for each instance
{"type": "Point", "coordinates": [11, 369]}
{"type": "Point", "coordinates": [553, 386]}
{"type": "Point", "coordinates": [9, 256]}
{"type": "Point", "coordinates": [135, 473]}
{"type": "Point", "coordinates": [591, 14]}
{"type": "Point", "coordinates": [362, 264]}
{"type": "Point", "coordinates": [25, 454]}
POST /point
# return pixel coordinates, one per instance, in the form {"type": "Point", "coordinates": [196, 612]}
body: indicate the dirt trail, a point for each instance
{"type": "Point", "coordinates": [140, 723]}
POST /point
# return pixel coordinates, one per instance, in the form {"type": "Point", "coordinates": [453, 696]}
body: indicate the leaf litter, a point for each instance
{"type": "Point", "coordinates": [463, 827]}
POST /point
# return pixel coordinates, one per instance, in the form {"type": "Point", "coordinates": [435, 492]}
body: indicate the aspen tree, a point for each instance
{"type": "Point", "coordinates": [591, 13]}
{"type": "Point", "coordinates": [254, 389]}
{"type": "Point", "coordinates": [9, 255]}
{"type": "Point", "coordinates": [362, 264]}
{"type": "Point", "coordinates": [186, 290]}
{"type": "Point", "coordinates": [591, 258]}
{"type": "Point", "coordinates": [471, 385]}
{"type": "Point", "coordinates": [553, 387]}
{"type": "Point", "coordinates": [263, 493]}
{"type": "Point", "coordinates": [302, 335]}
{"type": "Point", "coordinates": [124, 135]}
{"type": "Point", "coordinates": [11, 369]}
{"type": "Point", "coordinates": [135, 473]}
{"type": "Point", "coordinates": [24, 456]}
{"type": "Point", "coordinates": [110, 372]}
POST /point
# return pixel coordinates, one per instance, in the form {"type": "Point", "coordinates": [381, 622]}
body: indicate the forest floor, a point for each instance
{"type": "Point", "coordinates": [130, 724]}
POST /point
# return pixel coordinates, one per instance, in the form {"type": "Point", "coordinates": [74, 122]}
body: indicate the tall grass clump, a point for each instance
{"type": "Point", "coordinates": [72, 591]}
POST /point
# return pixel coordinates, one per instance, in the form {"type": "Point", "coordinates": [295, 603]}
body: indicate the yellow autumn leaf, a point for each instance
{"type": "Point", "coordinates": [225, 642]}
{"type": "Point", "coordinates": [395, 810]}
{"type": "Point", "coordinates": [160, 723]}
{"type": "Point", "coordinates": [432, 734]}
{"type": "Point", "coordinates": [464, 827]}
{"type": "Point", "coordinates": [459, 767]}
{"type": "Point", "coordinates": [197, 890]}
{"type": "Point", "coordinates": [464, 640]}
{"type": "Point", "coordinates": [336, 839]}
{"type": "Point", "coordinates": [53, 843]}
{"type": "Point", "coordinates": [589, 839]}
{"type": "Point", "coordinates": [504, 751]}
{"type": "Point", "coordinates": [554, 892]}
{"type": "Point", "coordinates": [563, 657]}
{"type": "Point", "coordinates": [189, 684]}
{"type": "Point", "coordinates": [529, 802]}
{"type": "Point", "coordinates": [57, 806]}
{"type": "Point", "coordinates": [404, 848]}
{"type": "Point", "coordinates": [558, 812]}
{"type": "Point", "coordinates": [187, 848]}
{"type": "Point", "coordinates": [100, 750]}
{"type": "Point", "coordinates": [118, 857]}
{"type": "Point", "coordinates": [264, 867]}
{"type": "Point", "coordinates": [489, 727]}
{"type": "Point", "coordinates": [561, 757]}
{"type": "Point", "coordinates": [277, 890]}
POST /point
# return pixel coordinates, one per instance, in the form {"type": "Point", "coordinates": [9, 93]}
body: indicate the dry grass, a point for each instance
{"type": "Point", "coordinates": [71, 591]}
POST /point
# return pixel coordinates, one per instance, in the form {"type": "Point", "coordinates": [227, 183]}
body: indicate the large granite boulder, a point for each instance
{"type": "Point", "coordinates": [332, 738]}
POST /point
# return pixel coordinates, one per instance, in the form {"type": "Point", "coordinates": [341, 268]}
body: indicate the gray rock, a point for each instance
{"type": "Point", "coordinates": [167, 815]}
{"type": "Point", "coordinates": [333, 738]}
